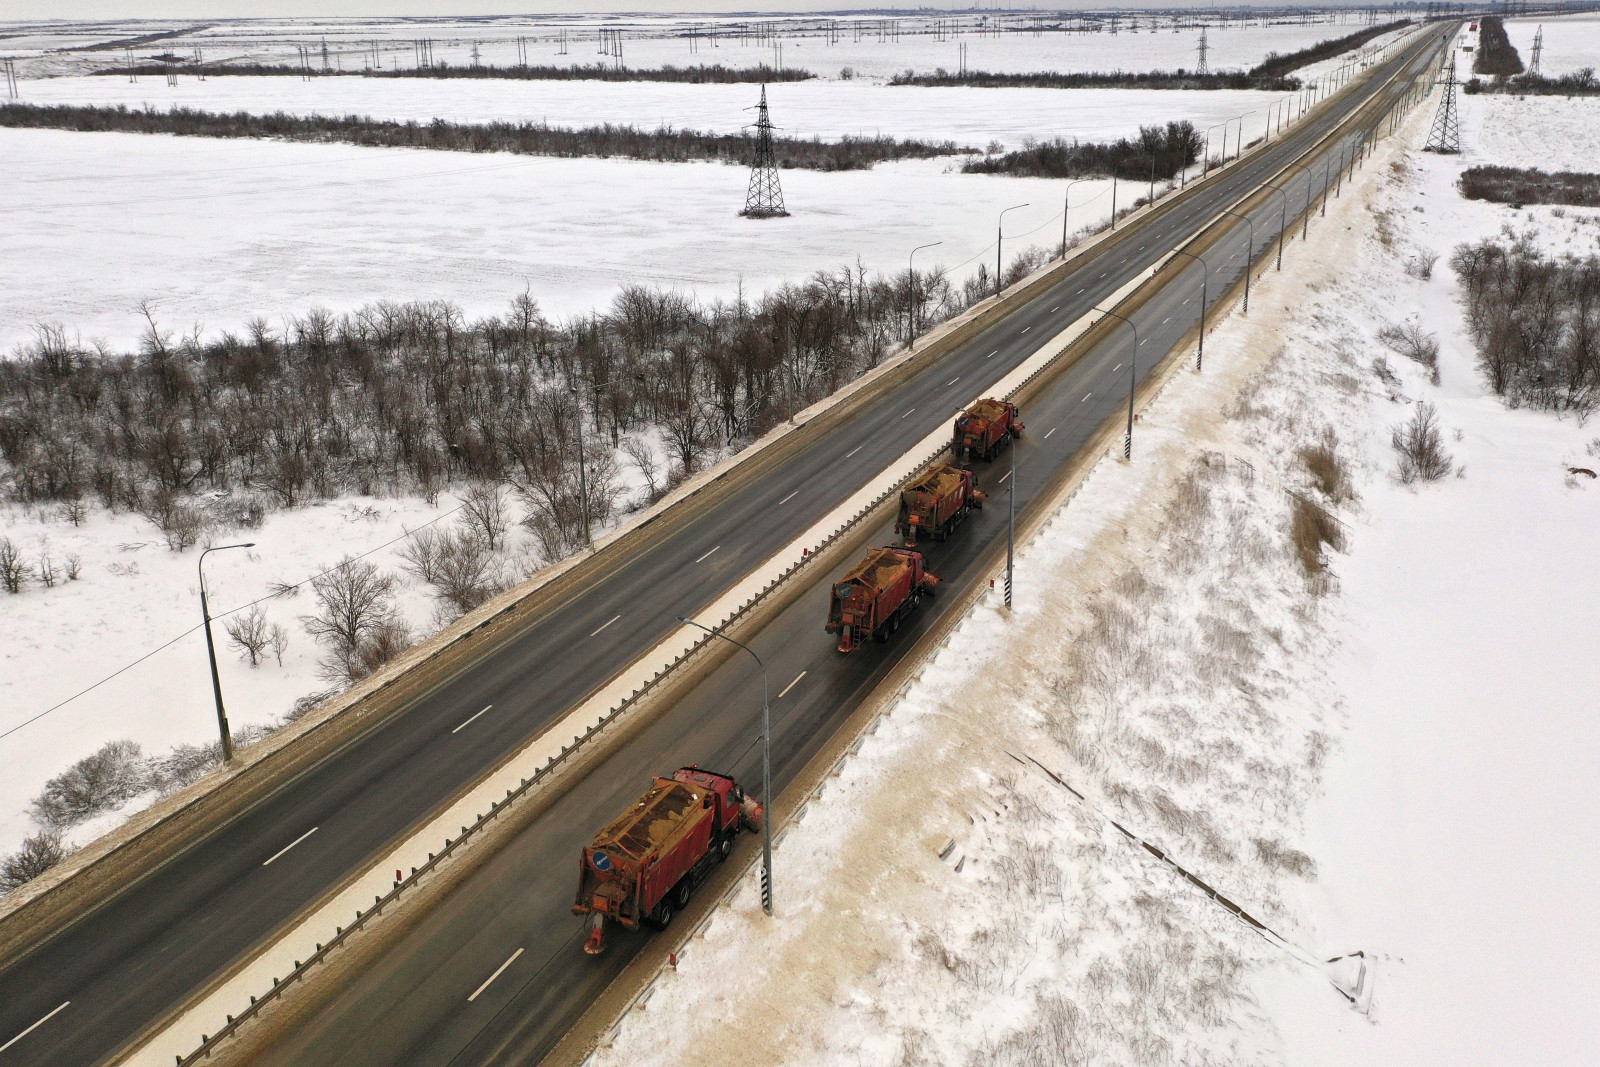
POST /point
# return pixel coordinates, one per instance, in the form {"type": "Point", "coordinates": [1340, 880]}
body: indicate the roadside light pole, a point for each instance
{"type": "Point", "coordinates": [1000, 234]}
{"type": "Point", "coordinates": [911, 295]}
{"type": "Point", "coordinates": [1238, 149]}
{"type": "Point", "coordinates": [1011, 522]}
{"type": "Point", "coordinates": [1206, 166]}
{"type": "Point", "coordinates": [766, 766]}
{"type": "Point", "coordinates": [1283, 218]}
{"type": "Point", "coordinates": [1133, 381]}
{"type": "Point", "coordinates": [1205, 278]}
{"type": "Point", "coordinates": [1249, 259]}
{"type": "Point", "coordinates": [1066, 204]}
{"type": "Point", "coordinates": [211, 650]}
{"type": "Point", "coordinates": [1305, 218]}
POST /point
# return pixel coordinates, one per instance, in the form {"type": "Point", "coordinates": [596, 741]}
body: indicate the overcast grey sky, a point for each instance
{"type": "Point", "coordinates": [202, 9]}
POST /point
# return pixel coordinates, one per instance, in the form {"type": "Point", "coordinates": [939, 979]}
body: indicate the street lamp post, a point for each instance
{"type": "Point", "coordinates": [1206, 168]}
{"type": "Point", "coordinates": [211, 650]}
{"type": "Point", "coordinates": [1249, 259]}
{"type": "Point", "coordinates": [1283, 217]}
{"type": "Point", "coordinates": [766, 765]}
{"type": "Point", "coordinates": [1305, 218]}
{"type": "Point", "coordinates": [1238, 149]}
{"type": "Point", "coordinates": [1066, 204]}
{"type": "Point", "coordinates": [1205, 279]}
{"type": "Point", "coordinates": [1000, 234]}
{"type": "Point", "coordinates": [911, 295]}
{"type": "Point", "coordinates": [1133, 381]}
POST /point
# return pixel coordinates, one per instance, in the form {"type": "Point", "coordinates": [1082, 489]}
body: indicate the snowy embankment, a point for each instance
{"type": "Point", "coordinates": [1389, 751]}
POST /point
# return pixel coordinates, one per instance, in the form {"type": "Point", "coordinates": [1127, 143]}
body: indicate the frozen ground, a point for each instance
{"type": "Point", "coordinates": [214, 232]}
{"type": "Point", "coordinates": [968, 116]}
{"type": "Point", "coordinates": [1403, 764]}
{"type": "Point", "coordinates": [649, 42]}
{"type": "Point", "coordinates": [1571, 42]}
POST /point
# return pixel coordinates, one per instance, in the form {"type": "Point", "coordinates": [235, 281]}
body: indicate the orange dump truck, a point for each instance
{"type": "Point", "coordinates": [644, 866]}
{"type": "Point", "coordinates": [871, 600]}
{"type": "Point", "coordinates": [982, 428]}
{"type": "Point", "coordinates": [933, 504]}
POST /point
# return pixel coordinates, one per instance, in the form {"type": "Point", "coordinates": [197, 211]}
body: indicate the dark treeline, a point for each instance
{"type": "Point", "coordinates": [591, 72]}
{"type": "Point", "coordinates": [1169, 149]}
{"type": "Point", "coordinates": [1516, 185]}
{"type": "Point", "coordinates": [1580, 82]}
{"type": "Point", "coordinates": [524, 138]}
{"type": "Point", "coordinates": [1271, 74]}
{"type": "Point", "coordinates": [1276, 66]}
{"type": "Point", "coordinates": [1535, 321]}
{"type": "Point", "coordinates": [1496, 54]}
{"type": "Point", "coordinates": [1115, 79]}
{"type": "Point", "coordinates": [194, 432]}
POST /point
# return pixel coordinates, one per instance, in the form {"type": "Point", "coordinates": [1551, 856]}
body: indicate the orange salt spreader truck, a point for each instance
{"type": "Point", "coordinates": [878, 592]}
{"type": "Point", "coordinates": [644, 866]}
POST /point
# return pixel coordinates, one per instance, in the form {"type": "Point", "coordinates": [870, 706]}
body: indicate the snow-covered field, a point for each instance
{"type": "Point", "coordinates": [968, 116]}
{"type": "Point", "coordinates": [648, 42]}
{"type": "Point", "coordinates": [1404, 764]}
{"type": "Point", "coordinates": [1571, 42]}
{"type": "Point", "coordinates": [214, 232]}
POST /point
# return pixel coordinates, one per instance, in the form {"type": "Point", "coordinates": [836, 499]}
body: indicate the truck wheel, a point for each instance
{"type": "Point", "coordinates": [662, 917]}
{"type": "Point", "coordinates": [894, 624]}
{"type": "Point", "coordinates": [684, 891]}
{"type": "Point", "coordinates": [725, 849]}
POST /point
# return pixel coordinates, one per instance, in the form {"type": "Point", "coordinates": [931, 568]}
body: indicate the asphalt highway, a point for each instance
{"type": "Point", "coordinates": [497, 975]}
{"type": "Point", "coordinates": [139, 957]}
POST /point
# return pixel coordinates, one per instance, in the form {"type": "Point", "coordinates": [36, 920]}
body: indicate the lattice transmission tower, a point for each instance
{"type": "Point", "coordinates": [764, 200]}
{"type": "Point", "coordinates": [1445, 136]}
{"type": "Point", "coordinates": [1538, 47]}
{"type": "Point", "coordinates": [1202, 66]}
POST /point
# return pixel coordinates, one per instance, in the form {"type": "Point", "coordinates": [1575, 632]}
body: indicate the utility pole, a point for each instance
{"type": "Point", "coordinates": [211, 650]}
{"type": "Point", "coordinates": [1133, 380]}
{"type": "Point", "coordinates": [1205, 277]}
{"type": "Point", "coordinates": [999, 273]}
{"type": "Point", "coordinates": [911, 295]}
{"type": "Point", "coordinates": [1011, 521]}
{"type": "Point", "coordinates": [766, 765]}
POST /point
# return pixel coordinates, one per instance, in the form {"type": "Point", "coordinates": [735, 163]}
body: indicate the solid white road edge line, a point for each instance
{"type": "Point", "coordinates": [497, 972]}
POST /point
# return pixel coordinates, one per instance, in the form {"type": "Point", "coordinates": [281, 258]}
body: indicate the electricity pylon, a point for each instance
{"type": "Point", "coordinates": [1445, 137]}
{"type": "Point", "coordinates": [764, 200]}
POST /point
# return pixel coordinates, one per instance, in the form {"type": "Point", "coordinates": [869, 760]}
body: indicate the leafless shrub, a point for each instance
{"type": "Point", "coordinates": [466, 573]}
{"type": "Point", "coordinates": [644, 459]}
{"type": "Point", "coordinates": [356, 619]}
{"type": "Point", "coordinates": [249, 633]}
{"type": "Point", "coordinates": [74, 564]}
{"type": "Point", "coordinates": [183, 765]}
{"type": "Point", "coordinates": [1420, 447]}
{"type": "Point", "coordinates": [38, 854]}
{"type": "Point", "coordinates": [73, 511]}
{"type": "Point", "coordinates": [1409, 339]}
{"type": "Point", "coordinates": [421, 553]}
{"type": "Point", "coordinates": [47, 571]}
{"type": "Point", "coordinates": [307, 703]}
{"type": "Point", "coordinates": [483, 511]}
{"type": "Point", "coordinates": [13, 571]}
{"type": "Point", "coordinates": [1421, 265]}
{"type": "Point", "coordinates": [95, 784]}
{"type": "Point", "coordinates": [180, 523]}
{"type": "Point", "coordinates": [1281, 857]}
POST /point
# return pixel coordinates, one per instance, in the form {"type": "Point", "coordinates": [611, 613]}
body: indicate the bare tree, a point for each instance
{"type": "Point", "coordinates": [38, 854]}
{"type": "Point", "coordinates": [468, 572]}
{"type": "Point", "coordinates": [249, 633]}
{"type": "Point", "coordinates": [47, 571]}
{"type": "Point", "coordinates": [421, 553]}
{"type": "Point", "coordinates": [483, 510]}
{"type": "Point", "coordinates": [74, 566]}
{"type": "Point", "coordinates": [355, 619]}
{"type": "Point", "coordinates": [73, 511]}
{"type": "Point", "coordinates": [644, 459]}
{"type": "Point", "coordinates": [278, 641]}
{"type": "Point", "coordinates": [13, 571]}
{"type": "Point", "coordinates": [1409, 339]}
